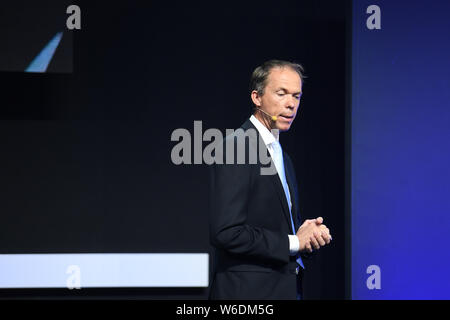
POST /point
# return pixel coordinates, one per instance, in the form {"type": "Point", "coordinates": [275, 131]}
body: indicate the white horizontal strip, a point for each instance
{"type": "Point", "coordinates": [97, 270]}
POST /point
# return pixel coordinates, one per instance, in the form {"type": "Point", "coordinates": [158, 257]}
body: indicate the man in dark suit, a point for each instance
{"type": "Point", "coordinates": [255, 218]}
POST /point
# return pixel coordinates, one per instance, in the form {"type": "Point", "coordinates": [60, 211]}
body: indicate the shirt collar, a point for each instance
{"type": "Point", "coordinates": [266, 135]}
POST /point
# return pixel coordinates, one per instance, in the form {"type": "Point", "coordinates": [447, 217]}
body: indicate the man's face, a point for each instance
{"type": "Point", "coordinates": [281, 98]}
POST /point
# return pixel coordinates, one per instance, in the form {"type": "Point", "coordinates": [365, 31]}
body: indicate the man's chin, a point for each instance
{"type": "Point", "coordinates": [283, 127]}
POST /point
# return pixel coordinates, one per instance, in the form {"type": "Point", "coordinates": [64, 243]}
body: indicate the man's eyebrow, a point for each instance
{"type": "Point", "coordinates": [285, 90]}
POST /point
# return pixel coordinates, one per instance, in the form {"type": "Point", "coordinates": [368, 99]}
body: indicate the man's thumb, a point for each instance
{"type": "Point", "coordinates": [319, 220]}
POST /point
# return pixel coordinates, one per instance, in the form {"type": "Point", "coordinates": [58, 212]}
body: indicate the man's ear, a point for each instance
{"type": "Point", "coordinates": [256, 98]}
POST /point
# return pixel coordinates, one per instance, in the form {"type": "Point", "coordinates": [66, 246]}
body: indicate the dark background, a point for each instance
{"type": "Point", "coordinates": [85, 163]}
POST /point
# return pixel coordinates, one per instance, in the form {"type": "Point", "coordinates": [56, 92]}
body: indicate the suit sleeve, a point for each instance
{"type": "Point", "coordinates": [230, 190]}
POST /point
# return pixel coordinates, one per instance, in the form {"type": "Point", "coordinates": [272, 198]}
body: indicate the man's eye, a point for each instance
{"type": "Point", "coordinates": [280, 94]}
{"type": "Point", "coordinates": [297, 97]}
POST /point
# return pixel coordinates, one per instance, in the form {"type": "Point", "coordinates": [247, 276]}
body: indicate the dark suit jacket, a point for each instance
{"type": "Point", "coordinates": [249, 227]}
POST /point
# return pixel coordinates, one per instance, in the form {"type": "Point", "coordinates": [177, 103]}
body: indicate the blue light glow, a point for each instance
{"type": "Point", "coordinates": [42, 60]}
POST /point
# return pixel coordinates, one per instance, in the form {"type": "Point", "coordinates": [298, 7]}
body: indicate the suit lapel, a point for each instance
{"type": "Point", "coordinates": [290, 181]}
{"type": "Point", "coordinates": [274, 178]}
{"type": "Point", "coordinates": [282, 196]}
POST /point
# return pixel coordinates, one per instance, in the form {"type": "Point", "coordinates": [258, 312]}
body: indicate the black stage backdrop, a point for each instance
{"type": "Point", "coordinates": [85, 156]}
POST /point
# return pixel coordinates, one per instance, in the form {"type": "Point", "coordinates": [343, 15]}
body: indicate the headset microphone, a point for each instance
{"type": "Point", "coordinates": [274, 118]}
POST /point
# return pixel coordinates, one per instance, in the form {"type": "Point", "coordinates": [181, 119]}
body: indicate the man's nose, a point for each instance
{"type": "Point", "coordinates": [292, 103]}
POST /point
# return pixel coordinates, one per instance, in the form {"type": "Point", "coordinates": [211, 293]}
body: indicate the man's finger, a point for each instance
{"type": "Point", "coordinates": [319, 220]}
{"type": "Point", "coordinates": [326, 236]}
{"type": "Point", "coordinates": [307, 222]}
{"type": "Point", "coordinates": [314, 242]}
{"type": "Point", "coordinates": [324, 228]}
{"type": "Point", "coordinates": [320, 239]}
{"type": "Point", "coordinates": [308, 247]}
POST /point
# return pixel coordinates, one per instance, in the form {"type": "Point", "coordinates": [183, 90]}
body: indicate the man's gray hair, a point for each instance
{"type": "Point", "coordinates": [258, 81]}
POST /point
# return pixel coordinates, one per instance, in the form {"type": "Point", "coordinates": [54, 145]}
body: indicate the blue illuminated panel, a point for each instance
{"type": "Point", "coordinates": [401, 150]}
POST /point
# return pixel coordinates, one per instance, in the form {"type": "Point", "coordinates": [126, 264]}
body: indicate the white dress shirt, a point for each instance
{"type": "Point", "coordinates": [268, 139]}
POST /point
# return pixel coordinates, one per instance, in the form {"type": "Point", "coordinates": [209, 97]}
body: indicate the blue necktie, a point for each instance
{"type": "Point", "coordinates": [279, 164]}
